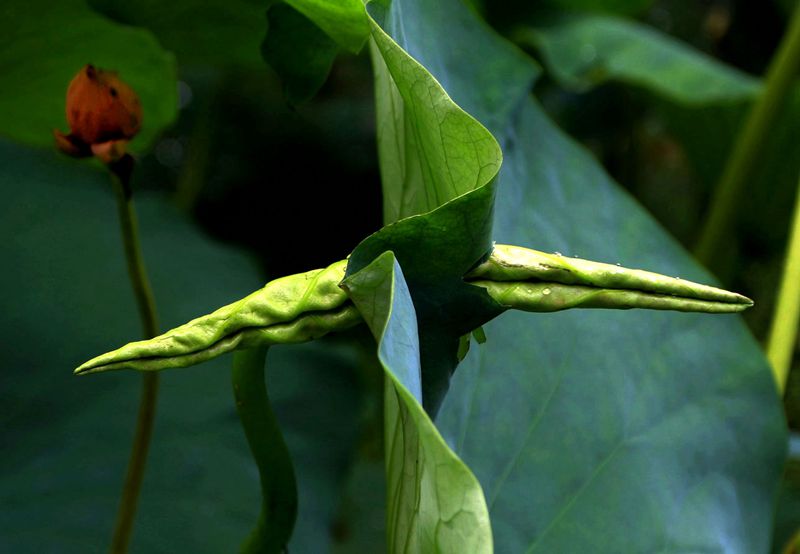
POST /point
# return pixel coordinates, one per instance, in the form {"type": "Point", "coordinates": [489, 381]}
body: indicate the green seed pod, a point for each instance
{"type": "Point", "coordinates": [535, 281]}
{"type": "Point", "coordinates": [554, 297]}
{"type": "Point", "coordinates": [309, 305]}
{"type": "Point", "coordinates": [292, 309]}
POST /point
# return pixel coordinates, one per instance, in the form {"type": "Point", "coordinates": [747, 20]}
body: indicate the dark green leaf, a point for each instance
{"type": "Point", "coordinates": [599, 432]}
{"type": "Point", "coordinates": [304, 37]}
{"type": "Point", "coordinates": [700, 100]}
{"type": "Point", "coordinates": [582, 51]}
{"type": "Point", "coordinates": [344, 20]}
{"type": "Point", "coordinates": [658, 418]}
{"type": "Point", "coordinates": [214, 32]}
{"type": "Point", "coordinates": [68, 438]}
{"type": "Point", "coordinates": [299, 52]}
{"type": "Point", "coordinates": [434, 158]}
{"type": "Point", "coordinates": [43, 46]}
{"type": "Point", "coordinates": [435, 502]}
{"type": "Point", "coordinates": [431, 151]}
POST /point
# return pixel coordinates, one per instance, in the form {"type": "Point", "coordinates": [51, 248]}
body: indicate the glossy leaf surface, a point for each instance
{"type": "Point", "coordinates": [592, 431]}
{"type": "Point", "coordinates": [435, 504]}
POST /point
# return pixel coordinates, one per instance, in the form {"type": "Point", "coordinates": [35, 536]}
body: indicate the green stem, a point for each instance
{"type": "Point", "coordinates": [749, 144]}
{"type": "Point", "coordinates": [278, 484]}
{"type": "Point", "coordinates": [783, 332]}
{"type": "Point", "coordinates": [793, 545]}
{"type": "Point", "coordinates": [147, 403]}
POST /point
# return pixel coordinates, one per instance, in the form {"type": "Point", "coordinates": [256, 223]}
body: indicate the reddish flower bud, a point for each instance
{"type": "Point", "coordinates": [103, 115]}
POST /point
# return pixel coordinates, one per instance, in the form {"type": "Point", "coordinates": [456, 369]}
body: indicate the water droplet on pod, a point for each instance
{"type": "Point", "coordinates": [546, 292]}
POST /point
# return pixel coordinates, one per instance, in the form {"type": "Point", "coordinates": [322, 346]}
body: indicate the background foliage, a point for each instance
{"type": "Point", "coordinates": [600, 418]}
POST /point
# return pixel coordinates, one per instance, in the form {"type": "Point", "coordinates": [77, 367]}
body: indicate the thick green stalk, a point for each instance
{"type": "Point", "coordinates": [278, 484]}
{"type": "Point", "coordinates": [147, 403]}
{"type": "Point", "coordinates": [792, 546]}
{"type": "Point", "coordinates": [783, 332]}
{"type": "Point", "coordinates": [738, 171]}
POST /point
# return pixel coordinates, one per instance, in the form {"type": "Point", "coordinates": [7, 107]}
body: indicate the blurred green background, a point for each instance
{"type": "Point", "coordinates": [219, 193]}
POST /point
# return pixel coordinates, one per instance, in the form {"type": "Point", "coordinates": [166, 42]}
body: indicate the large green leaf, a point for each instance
{"type": "Point", "coordinates": [448, 162]}
{"type": "Point", "coordinates": [438, 167]}
{"type": "Point", "coordinates": [430, 150]}
{"type": "Point", "coordinates": [44, 44]}
{"type": "Point", "coordinates": [599, 432]}
{"type": "Point", "coordinates": [628, 7]}
{"type": "Point", "coordinates": [304, 37]}
{"type": "Point", "coordinates": [701, 100]}
{"type": "Point", "coordinates": [585, 50]}
{"type": "Point", "coordinates": [66, 438]}
{"type": "Point", "coordinates": [344, 21]}
{"type": "Point", "coordinates": [435, 504]}
{"type": "Point", "coordinates": [660, 420]}
{"type": "Point", "coordinates": [215, 32]}
{"type": "Point", "coordinates": [299, 52]}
